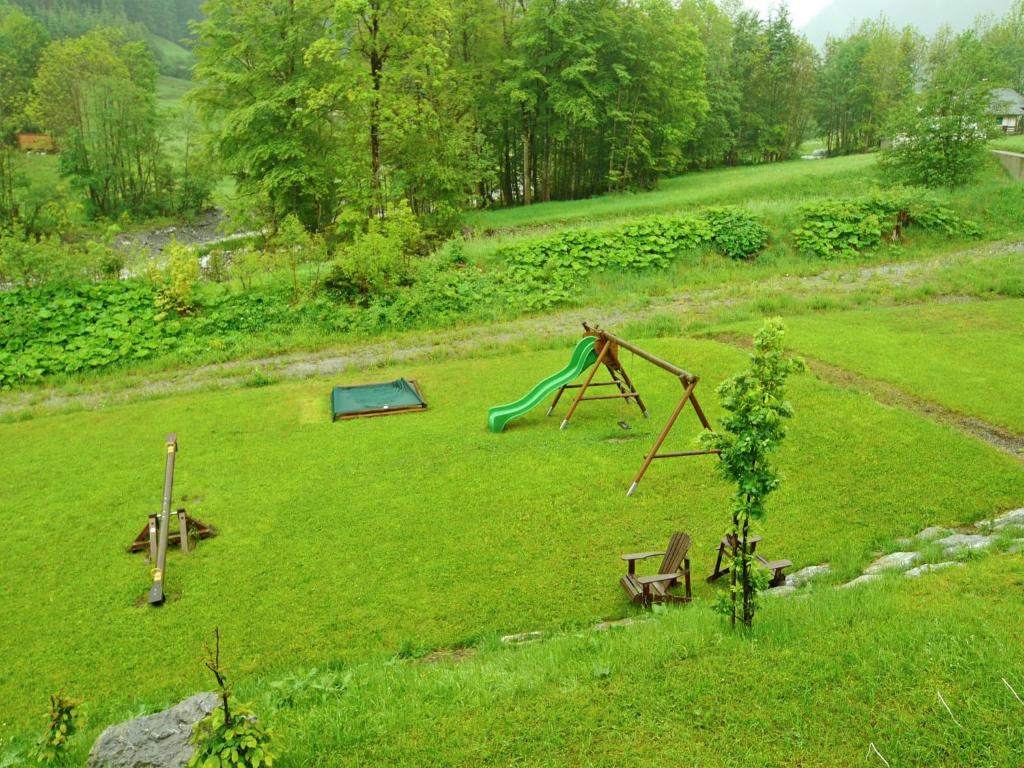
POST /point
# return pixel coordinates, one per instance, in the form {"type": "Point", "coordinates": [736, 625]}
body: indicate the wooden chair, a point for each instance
{"type": "Point", "coordinates": [675, 565]}
{"type": "Point", "coordinates": [729, 546]}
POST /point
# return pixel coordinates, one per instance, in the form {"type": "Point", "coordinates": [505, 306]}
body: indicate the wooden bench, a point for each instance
{"type": "Point", "coordinates": [729, 546]}
{"type": "Point", "coordinates": [675, 565]}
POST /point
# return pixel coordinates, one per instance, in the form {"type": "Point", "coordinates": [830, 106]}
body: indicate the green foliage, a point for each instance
{"type": "Point", "coordinates": [181, 276]}
{"type": "Point", "coordinates": [736, 232]}
{"type": "Point", "coordinates": [230, 736]}
{"type": "Point", "coordinates": [836, 228]}
{"type": "Point", "coordinates": [833, 228]}
{"type": "Point", "coordinates": [545, 272]}
{"type": "Point", "coordinates": [238, 741]}
{"type": "Point", "coordinates": [64, 721]}
{"type": "Point", "coordinates": [306, 686]}
{"type": "Point", "coordinates": [940, 135]}
{"type": "Point", "coordinates": [96, 95]}
{"type": "Point", "coordinates": [864, 76]}
{"type": "Point", "coordinates": [69, 329]}
{"type": "Point", "coordinates": [379, 260]}
{"type": "Point", "coordinates": [753, 428]}
{"type": "Point", "coordinates": [27, 261]}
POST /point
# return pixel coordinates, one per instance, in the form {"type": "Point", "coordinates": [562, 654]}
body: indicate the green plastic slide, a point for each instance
{"type": "Point", "coordinates": [583, 357]}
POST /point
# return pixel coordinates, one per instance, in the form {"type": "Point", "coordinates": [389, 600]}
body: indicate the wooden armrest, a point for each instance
{"type": "Point", "coordinates": [642, 555]}
{"type": "Point", "coordinates": [774, 564]}
{"type": "Point", "coordinates": [659, 577]}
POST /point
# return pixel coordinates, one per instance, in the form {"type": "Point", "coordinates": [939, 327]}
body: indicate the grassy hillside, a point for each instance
{"type": "Point", "coordinates": [173, 59]}
{"type": "Point", "coordinates": [822, 679]}
{"type": "Point", "coordinates": [758, 185]}
{"type": "Point", "coordinates": [962, 356]}
{"type": "Point", "coordinates": [351, 542]}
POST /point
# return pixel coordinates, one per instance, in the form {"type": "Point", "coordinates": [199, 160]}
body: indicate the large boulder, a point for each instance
{"type": "Point", "coordinates": [153, 741]}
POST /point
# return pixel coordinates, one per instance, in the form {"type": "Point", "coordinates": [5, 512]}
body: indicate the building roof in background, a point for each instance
{"type": "Point", "coordinates": [1007, 101]}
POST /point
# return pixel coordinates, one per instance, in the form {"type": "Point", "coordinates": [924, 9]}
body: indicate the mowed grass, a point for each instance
{"type": "Point", "coordinates": [350, 542]}
{"type": "Point", "coordinates": [1009, 143]}
{"type": "Point", "coordinates": [744, 185]}
{"type": "Point", "coordinates": [969, 357]}
{"type": "Point", "coordinates": [170, 92]}
{"type": "Point", "coordinates": [820, 679]}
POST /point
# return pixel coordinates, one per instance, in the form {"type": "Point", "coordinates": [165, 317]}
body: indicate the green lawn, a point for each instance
{"type": "Point", "coordinates": [968, 357]}
{"type": "Point", "coordinates": [170, 91]}
{"type": "Point", "coordinates": [1010, 143]}
{"type": "Point", "coordinates": [349, 542]}
{"type": "Point", "coordinates": [821, 679]}
{"type": "Point", "coordinates": [758, 185]}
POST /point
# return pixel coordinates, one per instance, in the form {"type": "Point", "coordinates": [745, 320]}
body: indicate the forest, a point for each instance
{"type": "Point", "coordinates": [342, 113]}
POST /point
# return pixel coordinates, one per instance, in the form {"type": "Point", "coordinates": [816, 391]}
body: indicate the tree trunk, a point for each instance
{"type": "Point", "coordinates": [527, 176]}
{"type": "Point", "coordinates": [376, 70]}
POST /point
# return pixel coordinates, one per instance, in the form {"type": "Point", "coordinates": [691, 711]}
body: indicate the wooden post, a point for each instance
{"type": "Point", "coordinates": [152, 538]}
{"type": "Point", "coordinates": [631, 388]}
{"type": "Point", "coordinates": [156, 592]}
{"type": "Point", "coordinates": [183, 529]}
{"type": "Point", "coordinates": [558, 396]}
{"type": "Point", "coordinates": [661, 438]}
{"type": "Point", "coordinates": [583, 389]}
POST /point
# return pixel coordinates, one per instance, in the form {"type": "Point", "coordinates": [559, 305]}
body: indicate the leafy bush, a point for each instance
{"type": "Point", "coordinates": [28, 261]}
{"type": "Point", "coordinates": [230, 736]}
{"type": "Point", "coordinates": [62, 725]}
{"type": "Point", "coordinates": [180, 278]}
{"type": "Point", "coordinates": [736, 232]}
{"type": "Point", "coordinates": [832, 228]}
{"type": "Point", "coordinates": [68, 329]}
{"type": "Point", "coordinates": [231, 739]}
{"type": "Point", "coordinates": [379, 258]}
{"type": "Point", "coordinates": [545, 272]}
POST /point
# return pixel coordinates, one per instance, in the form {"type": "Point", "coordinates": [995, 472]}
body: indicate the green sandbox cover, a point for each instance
{"type": "Point", "coordinates": [365, 399]}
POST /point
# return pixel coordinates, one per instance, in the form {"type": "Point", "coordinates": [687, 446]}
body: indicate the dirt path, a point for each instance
{"type": "Point", "coordinates": [410, 347]}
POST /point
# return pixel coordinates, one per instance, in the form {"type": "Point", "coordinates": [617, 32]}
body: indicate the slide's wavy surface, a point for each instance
{"type": "Point", "coordinates": [583, 356]}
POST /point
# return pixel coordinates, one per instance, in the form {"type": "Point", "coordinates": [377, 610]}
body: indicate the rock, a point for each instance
{"type": "Point", "coordinates": [863, 579]}
{"type": "Point", "coordinates": [1015, 517]}
{"type": "Point", "coordinates": [972, 541]}
{"type": "Point", "coordinates": [928, 568]}
{"type": "Point", "coordinates": [785, 589]}
{"type": "Point", "coordinates": [153, 741]}
{"type": "Point", "coordinates": [522, 637]}
{"type": "Point", "coordinates": [932, 532]}
{"type": "Point", "coordinates": [804, 575]}
{"type": "Point", "coordinates": [1017, 546]}
{"type": "Point", "coordinates": [894, 560]}
{"type": "Point", "coordinates": [626, 622]}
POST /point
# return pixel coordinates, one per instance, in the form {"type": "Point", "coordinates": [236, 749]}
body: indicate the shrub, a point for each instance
{"type": "Point", "coordinates": [736, 232]}
{"type": "Point", "coordinates": [379, 258]}
{"type": "Point", "coordinates": [70, 329]}
{"type": "Point", "coordinates": [230, 736]}
{"type": "Point", "coordinates": [831, 228]}
{"type": "Point", "coordinates": [182, 274]}
{"type": "Point", "coordinates": [545, 272]}
{"type": "Point", "coordinates": [63, 723]}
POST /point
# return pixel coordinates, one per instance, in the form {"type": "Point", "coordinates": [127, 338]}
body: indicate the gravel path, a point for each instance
{"type": "Point", "coordinates": [463, 341]}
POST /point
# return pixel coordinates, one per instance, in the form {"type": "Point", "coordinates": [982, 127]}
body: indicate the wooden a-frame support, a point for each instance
{"type": "Point", "coordinates": [156, 534]}
{"type": "Point", "coordinates": [149, 536]}
{"type": "Point", "coordinates": [607, 345]}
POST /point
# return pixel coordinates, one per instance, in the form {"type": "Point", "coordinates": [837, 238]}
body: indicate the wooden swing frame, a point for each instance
{"type": "Point", "coordinates": [607, 346]}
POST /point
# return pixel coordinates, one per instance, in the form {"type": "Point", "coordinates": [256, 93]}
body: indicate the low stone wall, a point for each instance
{"type": "Point", "coordinates": [1012, 162]}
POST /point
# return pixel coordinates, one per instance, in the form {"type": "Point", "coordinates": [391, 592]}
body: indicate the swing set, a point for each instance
{"type": "Point", "coordinates": [607, 346]}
